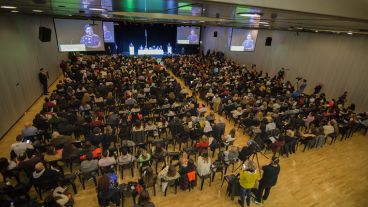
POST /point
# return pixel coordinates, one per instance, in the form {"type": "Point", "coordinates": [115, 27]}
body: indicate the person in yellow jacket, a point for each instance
{"type": "Point", "coordinates": [247, 179]}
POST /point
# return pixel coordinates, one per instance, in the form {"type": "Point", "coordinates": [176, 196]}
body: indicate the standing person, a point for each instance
{"type": "Point", "coordinates": [303, 86]}
{"type": "Point", "coordinates": [43, 75]}
{"type": "Point", "coordinates": [269, 179]}
{"type": "Point", "coordinates": [247, 179]}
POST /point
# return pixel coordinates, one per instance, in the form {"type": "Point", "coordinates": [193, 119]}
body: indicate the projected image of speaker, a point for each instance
{"type": "Point", "coordinates": [268, 41]}
{"type": "Point", "coordinates": [44, 34]}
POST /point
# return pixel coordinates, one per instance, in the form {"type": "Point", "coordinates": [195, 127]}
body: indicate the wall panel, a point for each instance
{"type": "Point", "coordinates": [21, 57]}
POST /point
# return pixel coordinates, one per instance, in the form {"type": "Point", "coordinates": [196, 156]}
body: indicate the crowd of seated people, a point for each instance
{"type": "Point", "coordinates": [112, 112]}
{"type": "Point", "coordinates": [276, 113]}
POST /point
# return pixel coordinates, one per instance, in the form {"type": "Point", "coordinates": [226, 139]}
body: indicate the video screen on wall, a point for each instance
{"type": "Point", "coordinates": [79, 35]}
{"type": "Point", "coordinates": [108, 30]}
{"type": "Point", "coordinates": [243, 40]}
{"type": "Point", "coordinates": [188, 35]}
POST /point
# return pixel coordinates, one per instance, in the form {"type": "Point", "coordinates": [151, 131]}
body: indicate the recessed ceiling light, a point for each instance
{"type": "Point", "coordinates": [350, 33]}
{"type": "Point", "coordinates": [249, 15]}
{"type": "Point", "coordinates": [14, 11]}
{"type": "Point", "coordinates": [201, 21]}
{"type": "Point", "coordinates": [8, 7]}
{"type": "Point", "coordinates": [96, 9]}
{"type": "Point", "coordinates": [300, 28]}
{"type": "Point", "coordinates": [315, 30]}
{"type": "Point", "coordinates": [37, 11]}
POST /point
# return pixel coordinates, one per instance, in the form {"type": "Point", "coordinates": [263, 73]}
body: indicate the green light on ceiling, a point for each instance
{"type": "Point", "coordinates": [66, 7]}
{"type": "Point", "coordinates": [185, 7]}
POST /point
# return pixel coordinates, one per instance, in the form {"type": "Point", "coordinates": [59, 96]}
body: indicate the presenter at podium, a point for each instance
{"type": "Point", "coordinates": [131, 49]}
{"type": "Point", "coordinates": [169, 49]}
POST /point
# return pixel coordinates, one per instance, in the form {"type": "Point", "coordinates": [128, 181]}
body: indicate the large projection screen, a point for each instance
{"type": "Point", "coordinates": [188, 35]}
{"type": "Point", "coordinates": [243, 40]}
{"type": "Point", "coordinates": [79, 35]}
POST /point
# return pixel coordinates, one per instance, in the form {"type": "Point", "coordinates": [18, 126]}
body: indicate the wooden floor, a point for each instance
{"type": "Point", "coordinates": [335, 175]}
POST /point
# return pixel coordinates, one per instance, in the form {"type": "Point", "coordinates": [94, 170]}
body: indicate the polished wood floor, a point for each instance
{"type": "Point", "coordinates": [335, 175]}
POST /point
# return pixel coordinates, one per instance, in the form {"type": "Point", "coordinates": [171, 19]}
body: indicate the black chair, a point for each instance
{"type": "Point", "coordinates": [231, 162]}
{"type": "Point", "coordinates": [10, 174]}
{"type": "Point", "coordinates": [159, 159]}
{"type": "Point", "coordinates": [191, 151]}
{"type": "Point", "coordinates": [69, 162]}
{"type": "Point", "coordinates": [218, 168]}
{"type": "Point", "coordinates": [173, 156]}
{"type": "Point", "coordinates": [108, 169]}
{"type": "Point", "coordinates": [123, 167]}
{"type": "Point", "coordinates": [333, 137]}
{"type": "Point", "coordinates": [171, 183]}
{"type": "Point", "coordinates": [83, 177]}
{"type": "Point", "coordinates": [69, 179]}
{"type": "Point", "coordinates": [142, 165]}
{"type": "Point", "coordinates": [204, 177]}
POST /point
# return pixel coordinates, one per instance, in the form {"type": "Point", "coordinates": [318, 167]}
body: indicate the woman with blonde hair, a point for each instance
{"type": "Point", "coordinates": [247, 178]}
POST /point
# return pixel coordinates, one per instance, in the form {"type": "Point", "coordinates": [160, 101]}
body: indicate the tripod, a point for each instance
{"type": "Point", "coordinates": [252, 156]}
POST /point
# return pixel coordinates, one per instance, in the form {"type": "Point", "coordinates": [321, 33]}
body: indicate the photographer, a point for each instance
{"type": "Point", "coordinates": [247, 179]}
{"type": "Point", "coordinates": [269, 179]}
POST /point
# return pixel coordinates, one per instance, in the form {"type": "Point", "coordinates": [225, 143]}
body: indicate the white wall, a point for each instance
{"type": "Point", "coordinates": [339, 62]}
{"type": "Point", "coordinates": [22, 54]}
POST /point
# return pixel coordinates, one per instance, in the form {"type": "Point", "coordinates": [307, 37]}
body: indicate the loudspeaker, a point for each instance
{"type": "Point", "coordinates": [215, 34]}
{"type": "Point", "coordinates": [268, 41]}
{"type": "Point", "coordinates": [44, 34]}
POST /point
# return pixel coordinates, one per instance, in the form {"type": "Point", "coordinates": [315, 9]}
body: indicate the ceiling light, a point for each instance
{"type": "Point", "coordinates": [37, 11]}
{"type": "Point", "coordinates": [201, 21]}
{"type": "Point", "coordinates": [350, 33]}
{"type": "Point", "coordinates": [14, 11]}
{"type": "Point", "coordinates": [263, 22]}
{"type": "Point", "coordinates": [315, 30]}
{"type": "Point", "coordinates": [8, 7]}
{"type": "Point", "coordinates": [96, 9]}
{"type": "Point", "coordinates": [249, 15]}
{"type": "Point", "coordinates": [300, 28]}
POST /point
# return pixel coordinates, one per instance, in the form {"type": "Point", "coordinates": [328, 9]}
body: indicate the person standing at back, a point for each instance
{"type": "Point", "coordinates": [269, 179]}
{"type": "Point", "coordinates": [247, 179]}
{"type": "Point", "coordinates": [43, 76]}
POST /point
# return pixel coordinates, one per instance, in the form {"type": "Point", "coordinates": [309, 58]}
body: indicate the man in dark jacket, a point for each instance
{"type": "Point", "coordinates": [43, 76]}
{"type": "Point", "coordinates": [269, 179]}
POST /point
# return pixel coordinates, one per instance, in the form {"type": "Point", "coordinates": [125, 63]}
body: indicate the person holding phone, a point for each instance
{"type": "Point", "coordinates": [247, 179]}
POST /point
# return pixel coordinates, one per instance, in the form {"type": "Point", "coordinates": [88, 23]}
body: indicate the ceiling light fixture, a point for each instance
{"type": "Point", "coordinates": [37, 11]}
{"type": "Point", "coordinates": [263, 22]}
{"type": "Point", "coordinates": [8, 7]}
{"type": "Point", "coordinates": [249, 15]}
{"type": "Point", "coordinates": [96, 9]}
{"type": "Point", "coordinates": [14, 11]}
{"type": "Point", "coordinates": [316, 31]}
{"type": "Point", "coordinates": [300, 28]}
{"type": "Point", "coordinates": [201, 21]}
{"type": "Point", "coordinates": [350, 33]}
